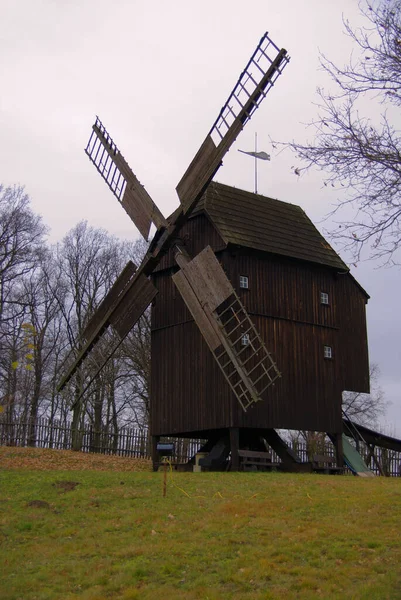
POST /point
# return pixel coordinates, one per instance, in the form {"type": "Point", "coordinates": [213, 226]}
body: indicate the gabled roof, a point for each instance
{"type": "Point", "coordinates": [255, 221]}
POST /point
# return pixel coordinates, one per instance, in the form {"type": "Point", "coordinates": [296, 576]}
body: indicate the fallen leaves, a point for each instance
{"type": "Point", "coordinates": [66, 486]}
{"type": "Point", "coordinates": [38, 504]}
{"type": "Point", "coordinates": [45, 459]}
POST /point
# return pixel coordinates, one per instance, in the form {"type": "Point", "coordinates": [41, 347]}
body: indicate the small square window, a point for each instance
{"type": "Point", "coordinates": [245, 339]}
{"type": "Point", "coordinates": [243, 282]}
{"type": "Point", "coordinates": [324, 298]}
{"type": "Point", "coordinates": [328, 352]}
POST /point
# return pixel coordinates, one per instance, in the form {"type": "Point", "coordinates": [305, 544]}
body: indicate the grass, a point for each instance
{"type": "Point", "coordinates": [215, 536]}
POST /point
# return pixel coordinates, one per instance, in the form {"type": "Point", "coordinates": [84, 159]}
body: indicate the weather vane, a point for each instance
{"type": "Point", "coordinates": [261, 155]}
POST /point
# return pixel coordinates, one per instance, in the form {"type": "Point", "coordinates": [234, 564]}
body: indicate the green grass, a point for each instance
{"type": "Point", "coordinates": [221, 536]}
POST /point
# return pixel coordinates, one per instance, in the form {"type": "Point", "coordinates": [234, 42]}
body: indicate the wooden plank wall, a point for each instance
{"type": "Point", "coordinates": [190, 394]}
{"type": "Point", "coordinates": [196, 233]}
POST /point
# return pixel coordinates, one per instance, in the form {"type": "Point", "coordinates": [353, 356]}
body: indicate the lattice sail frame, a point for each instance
{"type": "Point", "coordinates": [223, 322]}
{"type": "Point", "coordinates": [251, 88]}
{"type": "Point", "coordinates": [124, 184]}
{"type": "Point", "coordinates": [258, 77]}
{"type": "Point", "coordinates": [101, 150]}
{"type": "Point", "coordinates": [256, 362]}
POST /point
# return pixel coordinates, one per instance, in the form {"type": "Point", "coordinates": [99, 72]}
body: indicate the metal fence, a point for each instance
{"type": "Point", "coordinates": [135, 442]}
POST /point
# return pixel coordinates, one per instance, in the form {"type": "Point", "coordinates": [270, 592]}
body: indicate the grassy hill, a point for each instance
{"type": "Point", "coordinates": [100, 534]}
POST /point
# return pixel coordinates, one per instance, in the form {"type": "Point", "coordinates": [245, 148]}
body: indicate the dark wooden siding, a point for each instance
{"type": "Point", "coordinates": [353, 347]}
{"type": "Point", "coordinates": [189, 394]}
{"type": "Point", "coordinates": [283, 288]}
{"type": "Point", "coordinates": [197, 397]}
{"type": "Point", "coordinates": [196, 234]}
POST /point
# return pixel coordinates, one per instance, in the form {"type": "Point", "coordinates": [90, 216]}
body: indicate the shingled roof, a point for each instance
{"type": "Point", "coordinates": [255, 221]}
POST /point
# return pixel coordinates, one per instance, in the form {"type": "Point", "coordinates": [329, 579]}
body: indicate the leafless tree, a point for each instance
{"type": "Point", "coordinates": [22, 243]}
{"type": "Point", "coordinates": [366, 409]}
{"type": "Point", "coordinates": [89, 260]}
{"type": "Point", "coordinates": [43, 336]}
{"type": "Point", "coordinates": [48, 295]}
{"type": "Point", "coordinates": [357, 139]}
{"type": "Point", "coordinates": [22, 236]}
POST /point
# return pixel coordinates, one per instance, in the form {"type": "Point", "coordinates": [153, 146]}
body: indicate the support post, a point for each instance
{"type": "Point", "coordinates": [338, 444]}
{"type": "Point", "coordinates": [155, 456]}
{"type": "Point", "coordinates": [234, 447]}
{"type": "Point", "coordinates": [164, 476]}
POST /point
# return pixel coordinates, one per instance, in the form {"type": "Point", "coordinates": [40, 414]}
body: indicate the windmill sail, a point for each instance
{"type": "Point", "coordinates": [121, 308]}
{"type": "Point", "coordinates": [224, 323]}
{"type": "Point", "coordinates": [258, 77]}
{"type": "Point", "coordinates": [118, 175]}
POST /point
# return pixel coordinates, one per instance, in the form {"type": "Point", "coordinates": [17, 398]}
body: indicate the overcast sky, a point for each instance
{"type": "Point", "coordinates": [157, 74]}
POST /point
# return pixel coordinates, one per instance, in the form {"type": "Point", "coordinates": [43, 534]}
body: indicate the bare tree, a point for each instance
{"type": "Point", "coordinates": [362, 154]}
{"type": "Point", "coordinates": [88, 260]}
{"type": "Point", "coordinates": [21, 242]}
{"type": "Point", "coordinates": [366, 409]}
{"type": "Point", "coordinates": [43, 335]}
{"type": "Point", "coordinates": [135, 358]}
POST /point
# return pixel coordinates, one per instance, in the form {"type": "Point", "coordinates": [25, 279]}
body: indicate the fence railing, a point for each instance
{"type": "Point", "coordinates": [127, 441]}
{"type": "Point", "coordinates": [135, 442]}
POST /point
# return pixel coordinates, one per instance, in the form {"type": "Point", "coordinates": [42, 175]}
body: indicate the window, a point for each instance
{"type": "Point", "coordinates": [243, 282]}
{"type": "Point", "coordinates": [324, 298]}
{"type": "Point", "coordinates": [328, 352]}
{"type": "Point", "coordinates": [245, 339]}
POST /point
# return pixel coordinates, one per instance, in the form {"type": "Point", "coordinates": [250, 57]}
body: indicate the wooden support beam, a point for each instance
{"type": "Point", "coordinates": [338, 444]}
{"type": "Point", "coordinates": [234, 448]}
{"type": "Point", "coordinates": [155, 455]}
{"type": "Point", "coordinates": [375, 460]}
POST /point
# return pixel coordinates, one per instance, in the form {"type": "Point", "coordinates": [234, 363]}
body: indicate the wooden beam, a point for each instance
{"type": "Point", "coordinates": [136, 200]}
{"type": "Point", "coordinates": [196, 310]}
{"type": "Point", "coordinates": [338, 444]}
{"type": "Point", "coordinates": [234, 447]}
{"type": "Point", "coordinates": [207, 278]}
{"type": "Point", "coordinates": [136, 300]}
{"type": "Point", "coordinates": [110, 299]}
{"type": "Point", "coordinates": [116, 316]}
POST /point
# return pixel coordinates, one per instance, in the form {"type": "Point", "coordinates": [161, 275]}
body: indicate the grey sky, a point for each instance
{"type": "Point", "coordinates": [157, 73]}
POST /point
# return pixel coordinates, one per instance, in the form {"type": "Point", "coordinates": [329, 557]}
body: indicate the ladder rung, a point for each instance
{"type": "Point", "coordinates": [240, 337]}
{"type": "Point", "coordinates": [226, 309]}
{"type": "Point", "coordinates": [236, 327]}
{"type": "Point", "coordinates": [257, 65]}
{"type": "Point", "coordinates": [255, 353]}
{"type": "Point", "coordinates": [260, 363]}
{"type": "Point", "coordinates": [229, 362]}
{"type": "Point", "coordinates": [244, 88]}
{"type": "Point", "coordinates": [259, 378]}
{"type": "Point", "coordinates": [266, 386]}
{"type": "Point", "coordinates": [233, 317]}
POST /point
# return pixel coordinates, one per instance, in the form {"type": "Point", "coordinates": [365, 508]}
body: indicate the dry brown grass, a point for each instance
{"type": "Point", "coordinates": [43, 459]}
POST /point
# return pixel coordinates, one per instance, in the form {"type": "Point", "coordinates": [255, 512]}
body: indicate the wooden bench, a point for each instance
{"type": "Point", "coordinates": [322, 463]}
{"type": "Point", "coordinates": [249, 459]}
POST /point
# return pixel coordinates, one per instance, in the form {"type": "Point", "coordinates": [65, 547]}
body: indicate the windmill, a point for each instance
{"type": "Point", "coordinates": [216, 308]}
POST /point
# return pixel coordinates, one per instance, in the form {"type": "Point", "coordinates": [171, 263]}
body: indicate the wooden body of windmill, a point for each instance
{"type": "Point", "coordinates": [257, 324]}
{"type": "Point", "coordinates": [308, 308]}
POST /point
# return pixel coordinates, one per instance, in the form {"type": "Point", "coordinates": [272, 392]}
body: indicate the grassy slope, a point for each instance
{"type": "Point", "coordinates": [221, 536]}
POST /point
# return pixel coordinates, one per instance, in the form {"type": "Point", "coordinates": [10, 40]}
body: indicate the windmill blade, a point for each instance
{"type": "Point", "coordinates": [258, 77]}
{"type": "Point", "coordinates": [120, 310]}
{"type": "Point", "coordinates": [224, 323]}
{"type": "Point", "coordinates": [109, 300]}
{"type": "Point", "coordinates": [118, 175]}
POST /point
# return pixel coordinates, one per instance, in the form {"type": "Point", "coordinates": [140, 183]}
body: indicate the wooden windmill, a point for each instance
{"type": "Point", "coordinates": [217, 310]}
